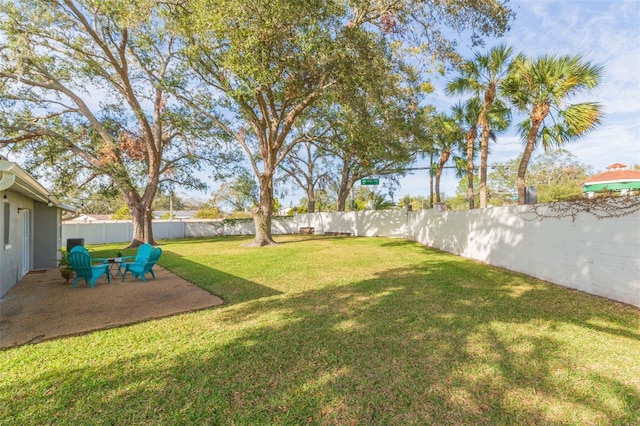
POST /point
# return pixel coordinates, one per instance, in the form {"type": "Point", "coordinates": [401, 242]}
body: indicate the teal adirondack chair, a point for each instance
{"type": "Point", "coordinates": [144, 251]}
{"type": "Point", "coordinates": [140, 269]}
{"type": "Point", "coordinates": [82, 249]}
{"type": "Point", "coordinates": [81, 264]}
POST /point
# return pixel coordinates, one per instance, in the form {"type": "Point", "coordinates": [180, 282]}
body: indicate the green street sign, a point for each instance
{"type": "Point", "coordinates": [370, 181]}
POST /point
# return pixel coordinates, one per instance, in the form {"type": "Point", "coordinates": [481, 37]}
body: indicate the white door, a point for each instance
{"type": "Point", "coordinates": [26, 242]}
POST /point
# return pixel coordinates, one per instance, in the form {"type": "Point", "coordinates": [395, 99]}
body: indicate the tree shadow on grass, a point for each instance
{"type": "Point", "coordinates": [446, 342]}
{"type": "Point", "coordinates": [231, 288]}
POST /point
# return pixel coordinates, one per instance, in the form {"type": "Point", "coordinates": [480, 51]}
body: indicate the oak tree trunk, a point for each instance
{"type": "Point", "coordinates": [141, 218]}
{"type": "Point", "coordinates": [345, 186]}
{"type": "Point", "coordinates": [311, 206]}
{"type": "Point", "coordinates": [342, 199]}
{"type": "Point", "coordinates": [311, 197]}
{"type": "Point", "coordinates": [262, 213]}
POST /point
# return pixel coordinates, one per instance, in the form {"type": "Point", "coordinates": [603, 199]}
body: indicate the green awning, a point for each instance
{"type": "Point", "coordinates": [614, 186]}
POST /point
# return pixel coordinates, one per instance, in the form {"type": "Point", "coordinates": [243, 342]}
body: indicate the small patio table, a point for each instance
{"type": "Point", "coordinates": [115, 261]}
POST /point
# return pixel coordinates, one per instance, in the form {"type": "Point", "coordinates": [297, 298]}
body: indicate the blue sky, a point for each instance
{"type": "Point", "coordinates": [605, 32]}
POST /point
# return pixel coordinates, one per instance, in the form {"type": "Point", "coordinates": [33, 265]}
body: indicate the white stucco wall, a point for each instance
{"type": "Point", "coordinates": [599, 256]}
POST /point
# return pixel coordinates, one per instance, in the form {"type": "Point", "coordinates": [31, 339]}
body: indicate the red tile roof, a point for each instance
{"type": "Point", "coordinates": [617, 166]}
{"type": "Point", "coordinates": [612, 175]}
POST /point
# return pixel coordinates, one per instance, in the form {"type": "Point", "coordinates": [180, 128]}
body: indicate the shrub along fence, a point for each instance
{"type": "Point", "coordinates": [574, 247]}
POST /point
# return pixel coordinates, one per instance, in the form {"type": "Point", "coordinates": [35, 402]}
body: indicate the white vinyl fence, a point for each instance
{"type": "Point", "coordinates": [122, 231]}
{"type": "Point", "coordinates": [598, 256]}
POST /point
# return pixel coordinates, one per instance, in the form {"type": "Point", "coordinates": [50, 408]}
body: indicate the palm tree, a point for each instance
{"type": "Point", "coordinates": [466, 115]}
{"type": "Point", "coordinates": [481, 77]}
{"type": "Point", "coordinates": [540, 88]}
{"type": "Point", "coordinates": [448, 139]}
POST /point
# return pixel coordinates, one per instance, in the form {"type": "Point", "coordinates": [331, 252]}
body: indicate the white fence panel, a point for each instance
{"type": "Point", "coordinates": [239, 227]}
{"type": "Point", "coordinates": [383, 223]}
{"type": "Point", "coordinates": [164, 230]}
{"type": "Point", "coordinates": [98, 233]}
{"type": "Point", "coordinates": [120, 232]}
{"type": "Point", "coordinates": [283, 226]}
{"type": "Point", "coordinates": [203, 229]}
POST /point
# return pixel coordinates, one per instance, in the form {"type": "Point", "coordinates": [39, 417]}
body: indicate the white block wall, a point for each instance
{"type": "Point", "coordinates": [598, 256]}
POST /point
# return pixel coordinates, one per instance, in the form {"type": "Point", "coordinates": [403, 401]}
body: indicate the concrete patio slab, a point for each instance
{"type": "Point", "coordinates": [42, 306]}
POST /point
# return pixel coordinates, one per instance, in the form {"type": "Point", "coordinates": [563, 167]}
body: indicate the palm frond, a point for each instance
{"type": "Point", "coordinates": [581, 118]}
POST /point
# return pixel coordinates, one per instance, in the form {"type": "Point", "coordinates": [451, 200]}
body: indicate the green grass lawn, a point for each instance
{"type": "Point", "coordinates": [341, 331]}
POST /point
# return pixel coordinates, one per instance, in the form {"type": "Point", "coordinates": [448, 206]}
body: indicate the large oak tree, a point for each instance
{"type": "Point", "coordinates": [84, 89]}
{"type": "Point", "coordinates": [263, 64]}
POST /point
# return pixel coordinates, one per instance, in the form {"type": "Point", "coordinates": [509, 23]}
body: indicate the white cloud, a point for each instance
{"type": "Point", "coordinates": [608, 145]}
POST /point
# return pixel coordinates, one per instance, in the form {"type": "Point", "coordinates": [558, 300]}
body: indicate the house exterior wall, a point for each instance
{"type": "Point", "coordinates": [44, 237]}
{"type": "Point", "coordinates": [11, 259]}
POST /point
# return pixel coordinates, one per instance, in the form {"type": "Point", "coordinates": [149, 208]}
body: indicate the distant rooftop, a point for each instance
{"type": "Point", "coordinates": [616, 178]}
